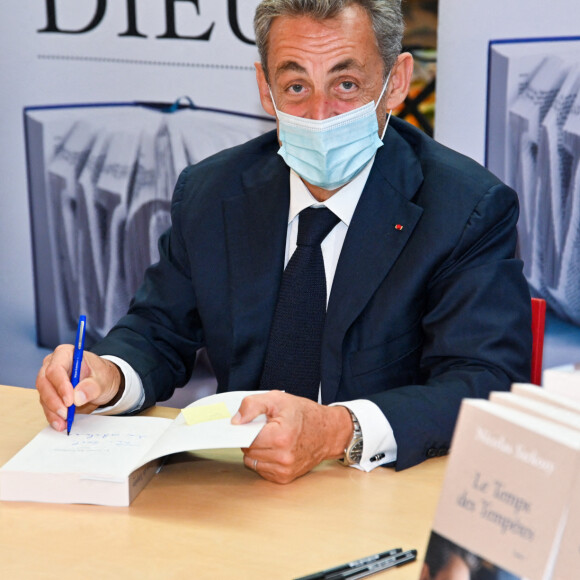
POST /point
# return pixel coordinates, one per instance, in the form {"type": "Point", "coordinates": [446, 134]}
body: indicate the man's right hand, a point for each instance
{"type": "Point", "coordinates": [99, 384]}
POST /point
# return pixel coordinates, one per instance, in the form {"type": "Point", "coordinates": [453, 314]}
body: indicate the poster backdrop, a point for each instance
{"type": "Point", "coordinates": [88, 81]}
{"type": "Point", "coordinates": [58, 54]}
{"type": "Point", "coordinates": [507, 95]}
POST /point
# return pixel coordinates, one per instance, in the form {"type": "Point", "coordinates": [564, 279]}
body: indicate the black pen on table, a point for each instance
{"type": "Point", "coordinates": [349, 566]}
{"type": "Point", "coordinates": [76, 369]}
{"type": "Point", "coordinates": [374, 567]}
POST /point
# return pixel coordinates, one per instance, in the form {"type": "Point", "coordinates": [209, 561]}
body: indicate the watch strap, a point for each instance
{"type": "Point", "coordinates": [353, 452]}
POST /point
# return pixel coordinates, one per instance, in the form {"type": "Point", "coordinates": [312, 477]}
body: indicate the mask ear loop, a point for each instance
{"type": "Point", "coordinates": [273, 101]}
{"type": "Point", "coordinates": [386, 124]}
{"type": "Point", "coordinates": [391, 111]}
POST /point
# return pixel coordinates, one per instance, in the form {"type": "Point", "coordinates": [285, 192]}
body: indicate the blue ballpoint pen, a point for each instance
{"type": "Point", "coordinates": [76, 369]}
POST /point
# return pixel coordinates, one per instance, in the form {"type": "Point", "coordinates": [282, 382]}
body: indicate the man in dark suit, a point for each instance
{"type": "Point", "coordinates": [426, 303]}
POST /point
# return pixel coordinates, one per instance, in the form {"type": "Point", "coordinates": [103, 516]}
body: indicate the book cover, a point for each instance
{"type": "Point", "coordinates": [563, 380]}
{"type": "Point", "coordinates": [537, 408]}
{"type": "Point", "coordinates": [507, 491]}
{"type": "Point", "coordinates": [564, 411]}
{"type": "Point", "coordinates": [546, 396]}
{"type": "Point", "coordinates": [533, 145]}
{"type": "Point", "coordinates": [109, 460]}
{"type": "Point", "coordinates": [568, 559]}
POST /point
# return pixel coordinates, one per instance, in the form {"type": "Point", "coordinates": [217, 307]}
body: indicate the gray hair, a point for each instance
{"type": "Point", "coordinates": [385, 15]}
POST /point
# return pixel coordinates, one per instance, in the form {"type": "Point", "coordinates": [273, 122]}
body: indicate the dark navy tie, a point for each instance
{"type": "Point", "coordinates": [292, 359]}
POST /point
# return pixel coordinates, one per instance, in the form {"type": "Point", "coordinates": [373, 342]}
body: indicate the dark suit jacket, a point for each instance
{"type": "Point", "coordinates": [428, 304]}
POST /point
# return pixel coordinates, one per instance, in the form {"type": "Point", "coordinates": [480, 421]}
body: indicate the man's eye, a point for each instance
{"type": "Point", "coordinates": [296, 89]}
{"type": "Point", "coordinates": [347, 85]}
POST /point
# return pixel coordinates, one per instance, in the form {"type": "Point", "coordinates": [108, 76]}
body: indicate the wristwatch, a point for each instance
{"type": "Point", "coordinates": [353, 452]}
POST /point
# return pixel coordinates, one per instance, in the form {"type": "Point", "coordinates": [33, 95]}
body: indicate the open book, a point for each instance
{"type": "Point", "coordinates": [109, 460]}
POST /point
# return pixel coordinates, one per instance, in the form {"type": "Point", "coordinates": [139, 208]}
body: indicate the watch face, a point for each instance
{"type": "Point", "coordinates": [355, 452]}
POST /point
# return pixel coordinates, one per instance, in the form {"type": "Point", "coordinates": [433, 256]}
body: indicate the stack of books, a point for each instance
{"type": "Point", "coordinates": [510, 502]}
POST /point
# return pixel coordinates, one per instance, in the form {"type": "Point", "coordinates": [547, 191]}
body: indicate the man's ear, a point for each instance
{"type": "Point", "coordinates": [264, 90]}
{"type": "Point", "coordinates": [400, 80]}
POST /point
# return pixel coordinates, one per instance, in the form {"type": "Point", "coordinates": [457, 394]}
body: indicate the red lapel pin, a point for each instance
{"type": "Point", "coordinates": [399, 227]}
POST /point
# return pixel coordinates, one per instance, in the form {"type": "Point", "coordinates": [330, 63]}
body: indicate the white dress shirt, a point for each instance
{"type": "Point", "coordinates": [378, 439]}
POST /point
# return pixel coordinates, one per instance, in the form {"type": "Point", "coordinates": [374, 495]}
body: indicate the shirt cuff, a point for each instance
{"type": "Point", "coordinates": [379, 445]}
{"type": "Point", "coordinates": [134, 395]}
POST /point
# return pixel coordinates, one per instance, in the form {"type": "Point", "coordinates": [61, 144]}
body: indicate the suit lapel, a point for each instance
{"type": "Point", "coordinates": [381, 227]}
{"type": "Point", "coordinates": [256, 224]}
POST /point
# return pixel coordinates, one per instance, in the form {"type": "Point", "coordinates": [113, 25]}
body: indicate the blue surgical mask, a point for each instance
{"type": "Point", "coordinates": [330, 152]}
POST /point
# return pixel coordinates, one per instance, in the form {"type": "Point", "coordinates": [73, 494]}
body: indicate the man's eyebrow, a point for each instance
{"type": "Point", "coordinates": [289, 65]}
{"type": "Point", "coordinates": [347, 64]}
{"type": "Point", "coordinates": [292, 65]}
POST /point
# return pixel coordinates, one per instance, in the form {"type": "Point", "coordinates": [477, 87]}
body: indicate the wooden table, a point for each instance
{"type": "Point", "coordinates": [207, 516]}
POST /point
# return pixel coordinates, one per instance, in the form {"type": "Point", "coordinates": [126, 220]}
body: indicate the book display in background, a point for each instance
{"type": "Point", "coordinates": [109, 460]}
{"type": "Point", "coordinates": [101, 178]}
{"type": "Point", "coordinates": [509, 506]}
{"type": "Point", "coordinates": [533, 144]}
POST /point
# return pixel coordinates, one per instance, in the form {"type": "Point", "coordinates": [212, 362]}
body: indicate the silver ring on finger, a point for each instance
{"type": "Point", "coordinates": [255, 465]}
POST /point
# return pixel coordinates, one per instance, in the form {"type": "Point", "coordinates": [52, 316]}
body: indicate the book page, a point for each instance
{"type": "Point", "coordinates": [100, 446]}
{"type": "Point", "coordinates": [212, 434]}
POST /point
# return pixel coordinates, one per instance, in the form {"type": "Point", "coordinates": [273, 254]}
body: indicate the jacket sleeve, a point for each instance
{"type": "Point", "coordinates": [161, 332]}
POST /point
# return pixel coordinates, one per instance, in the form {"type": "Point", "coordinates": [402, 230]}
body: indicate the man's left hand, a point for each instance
{"type": "Point", "coordinates": [298, 435]}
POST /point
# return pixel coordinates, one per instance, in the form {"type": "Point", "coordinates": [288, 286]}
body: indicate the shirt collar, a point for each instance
{"type": "Point", "coordinates": [342, 203]}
